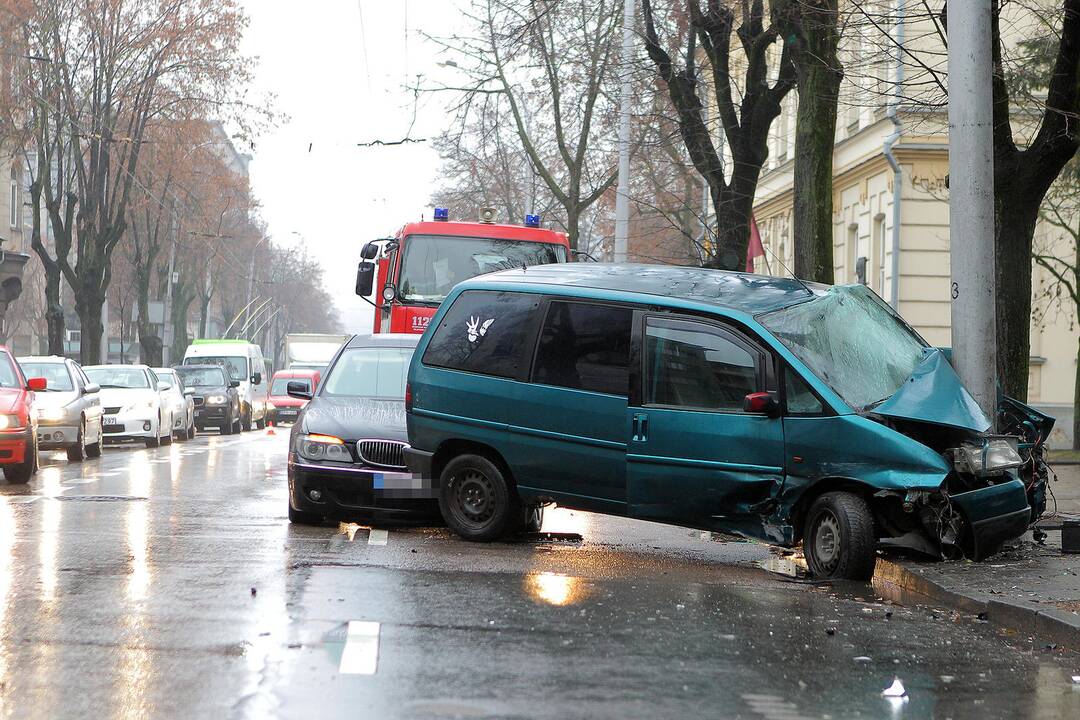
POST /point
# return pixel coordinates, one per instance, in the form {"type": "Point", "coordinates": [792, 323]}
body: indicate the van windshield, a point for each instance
{"type": "Point", "coordinates": [235, 364]}
{"type": "Point", "coordinates": [432, 264]}
{"type": "Point", "coordinates": [852, 340]}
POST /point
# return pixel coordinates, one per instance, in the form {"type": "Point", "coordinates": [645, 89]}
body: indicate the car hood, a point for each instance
{"type": "Point", "coordinates": [202, 391]}
{"type": "Point", "coordinates": [9, 397]}
{"type": "Point", "coordinates": [356, 418]}
{"type": "Point", "coordinates": [286, 401]}
{"type": "Point", "coordinates": [54, 399]}
{"type": "Point", "coordinates": [934, 394]}
{"type": "Point", "coordinates": [113, 397]}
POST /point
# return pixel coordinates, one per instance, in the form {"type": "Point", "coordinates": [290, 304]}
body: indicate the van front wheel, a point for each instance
{"type": "Point", "coordinates": [476, 500]}
{"type": "Point", "coordinates": [839, 540]}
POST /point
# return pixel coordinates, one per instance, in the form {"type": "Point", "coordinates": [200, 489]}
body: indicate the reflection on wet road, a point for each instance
{"type": "Point", "coordinates": [168, 583]}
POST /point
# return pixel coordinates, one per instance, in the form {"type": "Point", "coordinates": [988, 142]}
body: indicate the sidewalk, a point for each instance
{"type": "Point", "coordinates": [1030, 588]}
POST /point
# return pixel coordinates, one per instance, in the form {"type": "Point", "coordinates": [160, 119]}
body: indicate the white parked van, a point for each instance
{"type": "Point", "coordinates": [244, 362]}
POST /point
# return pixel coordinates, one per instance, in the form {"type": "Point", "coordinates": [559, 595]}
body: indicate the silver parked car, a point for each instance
{"type": "Point", "coordinates": [179, 398]}
{"type": "Point", "coordinates": [69, 410]}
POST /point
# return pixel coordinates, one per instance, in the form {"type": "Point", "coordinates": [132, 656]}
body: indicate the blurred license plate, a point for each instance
{"type": "Point", "coordinates": [110, 421]}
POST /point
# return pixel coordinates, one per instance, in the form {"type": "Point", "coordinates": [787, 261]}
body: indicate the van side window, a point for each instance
{"type": "Point", "coordinates": [800, 398]}
{"type": "Point", "coordinates": [586, 347]}
{"type": "Point", "coordinates": [696, 366]}
{"type": "Point", "coordinates": [486, 332]}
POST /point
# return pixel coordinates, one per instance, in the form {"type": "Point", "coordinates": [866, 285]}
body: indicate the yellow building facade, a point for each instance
{"type": "Point", "coordinates": [864, 193]}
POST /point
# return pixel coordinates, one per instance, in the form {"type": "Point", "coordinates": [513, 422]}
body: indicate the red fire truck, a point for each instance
{"type": "Point", "coordinates": [416, 269]}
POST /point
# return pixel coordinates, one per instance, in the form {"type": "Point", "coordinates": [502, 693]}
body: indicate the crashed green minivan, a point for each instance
{"type": "Point", "coordinates": [766, 407]}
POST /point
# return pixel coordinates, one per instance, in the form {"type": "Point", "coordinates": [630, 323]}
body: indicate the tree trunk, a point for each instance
{"type": "Point", "coordinates": [88, 303]}
{"type": "Point", "coordinates": [149, 342]}
{"type": "Point", "coordinates": [179, 311]}
{"type": "Point", "coordinates": [573, 227]}
{"type": "Point", "coordinates": [54, 311]}
{"type": "Point", "coordinates": [732, 231]}
{"type": "Point", "coordinates": [1014, 229]}
{"type": "Point", "coordinates": [815, 137]}
{"type": "Point", "coordinates": [1076, 402]}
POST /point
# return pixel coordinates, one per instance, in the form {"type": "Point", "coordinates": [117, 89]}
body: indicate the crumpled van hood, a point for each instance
{"type": "Point", "coordinates": [934, 394]}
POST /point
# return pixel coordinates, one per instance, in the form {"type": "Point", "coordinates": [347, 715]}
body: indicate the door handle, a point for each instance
{"type": "Point", "coordinates": [644, 428]}
{"type": "Point", "coordinates": [639, 427]}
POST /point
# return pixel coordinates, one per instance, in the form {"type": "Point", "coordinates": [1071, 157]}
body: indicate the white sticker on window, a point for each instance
{"type": "Point", "coordinates": [475, 330]}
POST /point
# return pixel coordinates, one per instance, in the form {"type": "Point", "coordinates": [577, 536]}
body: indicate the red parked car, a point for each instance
{"type": "Point", "coordinates": [279, 406]}
{"type": "Point", "coordinates": [18, 420]}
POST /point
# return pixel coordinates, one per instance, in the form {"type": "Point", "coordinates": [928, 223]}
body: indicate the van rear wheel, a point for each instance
{"type": "Point", "coordinates": [476, 500]}
{"type": "Point", "coordinates": [839, 540]}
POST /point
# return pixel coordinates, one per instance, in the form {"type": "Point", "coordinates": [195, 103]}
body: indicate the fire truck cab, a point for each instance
{"type": "Point", "coordinates": [415, 270]}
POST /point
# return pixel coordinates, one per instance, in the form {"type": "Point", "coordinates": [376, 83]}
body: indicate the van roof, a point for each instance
{"type": "Point", "coordinates": [744, 292]}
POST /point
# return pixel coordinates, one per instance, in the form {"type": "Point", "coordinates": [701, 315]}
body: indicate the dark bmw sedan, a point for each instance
{"type": "Point", "coordinates": [346, 458]}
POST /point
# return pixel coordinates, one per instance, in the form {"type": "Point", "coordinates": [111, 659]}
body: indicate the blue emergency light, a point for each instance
{"type": "Point", "coordinates": [532, 221]}
{"type": "Point", "coordinates": [442, 214]}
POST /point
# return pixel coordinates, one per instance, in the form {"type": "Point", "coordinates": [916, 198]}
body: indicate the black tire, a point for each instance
{"type": "Point", "coordinates": [476, 500]}
{"type": "Point", "coordinates": [532, 518]}
{"type": "Point", "coordinates": [261, 424]}
{"type": "Point", "coordinates": [245, 421]}
{"type": "Point", "coordinates": [839, 539]}
{"type": "Point", "coordinates": [94, 451]}
{"type": "Point", "coordinates": [20, 474]}
{"type": "Point", "coordinates": [77, 452]}
{"type": "Point", "coordinates": [191, 431]}
{"type": "Point", "coordinates": [166, 439]}
{"type": "Point", "coordinates": [303, 518]}
{"type": "Point", "coordinates": [153, 442]}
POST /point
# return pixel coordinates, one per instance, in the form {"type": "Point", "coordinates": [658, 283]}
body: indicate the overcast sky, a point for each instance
{"type": "Point", "coordinates": [339, 69]}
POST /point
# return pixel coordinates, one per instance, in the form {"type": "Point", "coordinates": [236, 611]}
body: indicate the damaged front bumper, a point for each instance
{"type": "Point", "coordinates": [992, 515]}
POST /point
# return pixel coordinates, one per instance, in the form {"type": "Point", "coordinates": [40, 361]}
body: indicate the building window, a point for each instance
{"type": "Point", "coordinates": [14, 198]}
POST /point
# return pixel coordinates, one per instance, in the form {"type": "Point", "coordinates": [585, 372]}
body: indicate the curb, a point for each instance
{"type": "Point", "coordinates": [1050, 624]}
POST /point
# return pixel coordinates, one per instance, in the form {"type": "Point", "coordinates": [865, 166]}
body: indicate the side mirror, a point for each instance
{"type": "Point", "coordinates": [91, 388]}
{"type": "Point", "coordinates": [762, 403]}
{"type": "Point", "coordinates": [37, 384]}
{"type": "Point", "coordinates": [256, 378]}
{"type": "Point", "coordinates": [298, 390]}
{"type": "Point", "coordinates": [365, 278]}
{"type": "Point", "coordinates": [234, 383]}
{"type": "Point", "coordinates": [162, 386]}
{"type": "Point", "coordinates": [369, 251]}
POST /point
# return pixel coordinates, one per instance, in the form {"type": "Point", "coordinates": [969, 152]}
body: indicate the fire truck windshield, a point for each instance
{"type": "Point", "coordinates": [432, 264]}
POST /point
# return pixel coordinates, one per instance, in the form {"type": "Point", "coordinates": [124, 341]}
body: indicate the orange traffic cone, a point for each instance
{"type": "Point", "coordinates": [270, 427]}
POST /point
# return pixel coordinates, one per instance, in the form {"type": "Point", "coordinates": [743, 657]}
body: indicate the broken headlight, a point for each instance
{"type": "Point", "coordinates": [993, 455]}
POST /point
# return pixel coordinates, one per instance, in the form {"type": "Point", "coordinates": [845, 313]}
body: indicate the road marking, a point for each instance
{"type": "Point", "coordinates": [80, 481]}
{"type": "Point", "coordinates": [377, 537]}
{"type": "Point", "coordinates": [361, 653]}
{"type": "Point", "coordinates": [24, 499]}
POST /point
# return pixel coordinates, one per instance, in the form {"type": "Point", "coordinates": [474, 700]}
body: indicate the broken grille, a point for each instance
{"type": "Point", "coordinates": [382, 453]}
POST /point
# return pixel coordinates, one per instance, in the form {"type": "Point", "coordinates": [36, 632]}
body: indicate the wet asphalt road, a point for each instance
{"type": "Point", "coordinates": [168, 583]}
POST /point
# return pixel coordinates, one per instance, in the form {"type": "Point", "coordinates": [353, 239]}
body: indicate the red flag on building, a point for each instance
{"type": "Point", "coordinates": [755, 248]}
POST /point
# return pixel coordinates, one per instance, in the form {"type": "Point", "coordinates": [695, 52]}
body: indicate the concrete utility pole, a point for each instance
{"type": "Point", "coordinates": [622, 196]}
{"type": "Point", "coordinates": [971, 201]}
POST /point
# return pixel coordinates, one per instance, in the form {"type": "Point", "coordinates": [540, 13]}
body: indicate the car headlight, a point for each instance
{"type": "Point", "coordinates": [53, 414]}
{"type": "Point", "coordinates": [322, 447]}
{"type": "Point", "coordinates": [991, 456]}
{"type": "Point", "coordinates": [216, 400]}
{"type": "Point", "coordinates": [7, 422]}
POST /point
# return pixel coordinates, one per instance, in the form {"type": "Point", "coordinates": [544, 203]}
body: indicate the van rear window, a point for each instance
{"type": "Point", "coordinates": [486, 332]}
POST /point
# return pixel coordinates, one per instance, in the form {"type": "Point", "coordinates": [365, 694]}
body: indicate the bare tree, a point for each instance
{"type": "Point", "coordinates": [549, 66]}
{"type": "Point", "coordinates": [811, 30]}
{"type": "Point", "coordinates": [103, 70]}
{"type": "Point", "coordinates": [745, 121]}
{"type": "Point", "coordinates": [1025, 170]}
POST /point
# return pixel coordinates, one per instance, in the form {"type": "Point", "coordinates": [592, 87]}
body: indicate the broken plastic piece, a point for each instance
{"type": "Point", "coordinates": [1076, 679]}
{"type": "Point", "coordinates": [896, 690]}
{"type": "Point", "coordinates": [862, 658]}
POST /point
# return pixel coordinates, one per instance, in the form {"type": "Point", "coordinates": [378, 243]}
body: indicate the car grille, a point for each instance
{"type": "Point", "coordinates": [112, 410]}
{"type": "Point", "coordinates": [382, 453]}
{"type": "Point", "coordinates": [198, 401]}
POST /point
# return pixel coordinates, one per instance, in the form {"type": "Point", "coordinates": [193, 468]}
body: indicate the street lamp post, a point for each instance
{"type": "Point", "coordinates": [251, 278]}
{"type": "Point", "coordinates": [622, 193]}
